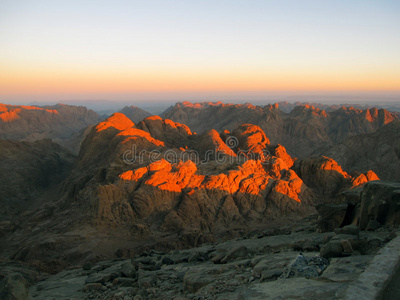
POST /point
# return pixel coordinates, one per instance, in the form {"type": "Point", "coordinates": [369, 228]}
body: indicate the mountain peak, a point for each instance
{"type": "Point", "coordinates": [117, 120]}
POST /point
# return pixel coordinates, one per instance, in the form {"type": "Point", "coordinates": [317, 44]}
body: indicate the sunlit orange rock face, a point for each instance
{"type": "Point", "coordinates": [8, 116]}
{"type": "Point", "coordinates": [134, 133]}
{"type": "Point", "coordinates": [118, 121]}
{"type": "Point", "coordinates": [251, 138]}
{"type": "Point", "coordinates": [364, 178]}
{"type": "Point", "coordinates": [326, 175]}
{"type": "Point", "coordinates": [10, 113]}
{"type": "Point", "coordinates": [171, 182]}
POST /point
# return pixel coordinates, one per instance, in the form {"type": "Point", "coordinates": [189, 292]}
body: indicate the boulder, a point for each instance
{"type": "Point", "coordinates": [238, 252]}
{"type": "Point", "coordinates": [331, 216]}
{"type": "Point", "coordinates": [332, 249]}
{"type": "Point", "coordinates": [380, 201]}
{"type": "Point", "coordinates": [195, 280]}
{"type": "Point", "coordinates": [305, 266]}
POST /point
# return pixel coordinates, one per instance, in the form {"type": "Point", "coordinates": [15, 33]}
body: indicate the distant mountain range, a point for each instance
{"type": "Point", "coordinates": [302, 131]}
{"type": "Point", "coordinates": [379, 151]}
{"type": "Point", "coordinates": [61, 123]}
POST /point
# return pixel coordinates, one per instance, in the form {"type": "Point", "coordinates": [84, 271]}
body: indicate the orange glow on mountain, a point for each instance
{"type": "Point", "coordinates": [3, 108]}
{"type": "Point", "coordinates": [10, 115]}
{"type": "Point", "coordinates": [117, 120]}
{"type": "Point", "coordinates": [167, 123]}
{"type": "Point", "coordinates": [134, 175]}
{"type": "Point", "coordinates": [250, 178]}
{"type": "Point", "coordinates": [126, 127]}
{"type": "Point", "coordinates": [134, 133]}
{"type": "Point", "coordinates": [284, 188]}
{"type": "Point", "coordinates": [331, 165]}
{"type": "Point", "coordinates": [364, 178]}
{"type": "Point", "coordinates": [154, 118]}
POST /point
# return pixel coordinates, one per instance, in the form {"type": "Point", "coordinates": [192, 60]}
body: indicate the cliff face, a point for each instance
{"type": "Point", "coordinates": [28, 169]}
{"type": "Point", "coordinates": [302, 131]}
{"type": "Point", "coordinates": [60, 123]}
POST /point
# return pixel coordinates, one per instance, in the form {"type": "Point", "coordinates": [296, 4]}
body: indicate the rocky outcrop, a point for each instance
{"type": "Point", "coordinates": [251, 140]}
{"type": "Point", "coordinates": [326, 175]}
{"type": "Point", "coordinates": [177, 190]}
{"type": "Point", "coordinates": [256, 266]}
{"type": "Point", "coordinates": [379, 203]}
{"type": "Point", "coordinates": [15, 280]}
{"type": "Point", "coordinates": [370, 206]}
{"type": "Point", "coordinates": [58, 122]}
{"type": "Point", "coordinates": [378, 151]}
{"type": "Point", "coordinates": [161, 177]}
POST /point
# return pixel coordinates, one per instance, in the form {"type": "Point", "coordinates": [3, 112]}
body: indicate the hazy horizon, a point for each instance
{"type": "Point", "coordinates": [226, 97]}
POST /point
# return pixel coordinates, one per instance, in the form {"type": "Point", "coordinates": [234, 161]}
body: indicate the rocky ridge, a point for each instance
{"type": "Point", "coordinates": [379, 151]}
{"type": "Point", "coordinates": [301, 131]}
{"type": "Point", "coordinates": [61, 123]}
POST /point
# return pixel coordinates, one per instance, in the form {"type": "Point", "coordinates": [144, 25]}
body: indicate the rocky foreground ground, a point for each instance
{"type": "Point", "coordinates": [272, 264]}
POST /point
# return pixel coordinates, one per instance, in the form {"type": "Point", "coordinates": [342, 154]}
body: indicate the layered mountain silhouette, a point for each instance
{"type": "Point", "coordinates": [134, 113]}
{"type": "Point", "coordinates": [302, 131]}
{"type": "Point", "coordinates": [63, 124]}
{"type": "Point", "coordinates": [157, 183]}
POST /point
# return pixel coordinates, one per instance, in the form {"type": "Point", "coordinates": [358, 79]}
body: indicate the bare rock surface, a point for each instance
{"type": "Point", "coordinates": [378, 151]}
{"type": "Point", "coordinates": [301, 131]}
{"type": "Point", "coordinates": [255, 270]}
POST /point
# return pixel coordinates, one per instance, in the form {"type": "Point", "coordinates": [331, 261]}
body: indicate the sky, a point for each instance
{"type": "Point", "coordinates": [166, 50]}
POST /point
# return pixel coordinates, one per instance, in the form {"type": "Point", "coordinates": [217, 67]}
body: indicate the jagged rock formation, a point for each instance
{"type": "Point", "coordinates": [302, 131]}
{"type": "Point", "coordinates": [28, 169]}
{"type": "Point", "coordinates": [378, 151]}
{"type": "Point", "coordinates": [379, 205]}
{"type": "Point", "coordinates": [326, 174]}
{"type": "Point", "coordinates": [58, 122]}
{"type": "Point", "coordinates": [134, 113]}
{"type": "Point", "coordinates": [157, 183]}
{"type": "Point", "coordinates": [161, 177]}
{"type": "Point", "coordinates": [224, 186]}
{"type": "Point", "coordinates": [369, 206]}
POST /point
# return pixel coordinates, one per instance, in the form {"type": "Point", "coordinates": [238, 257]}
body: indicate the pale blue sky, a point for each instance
{"type": "Point", "coordinates": [188, 39]}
